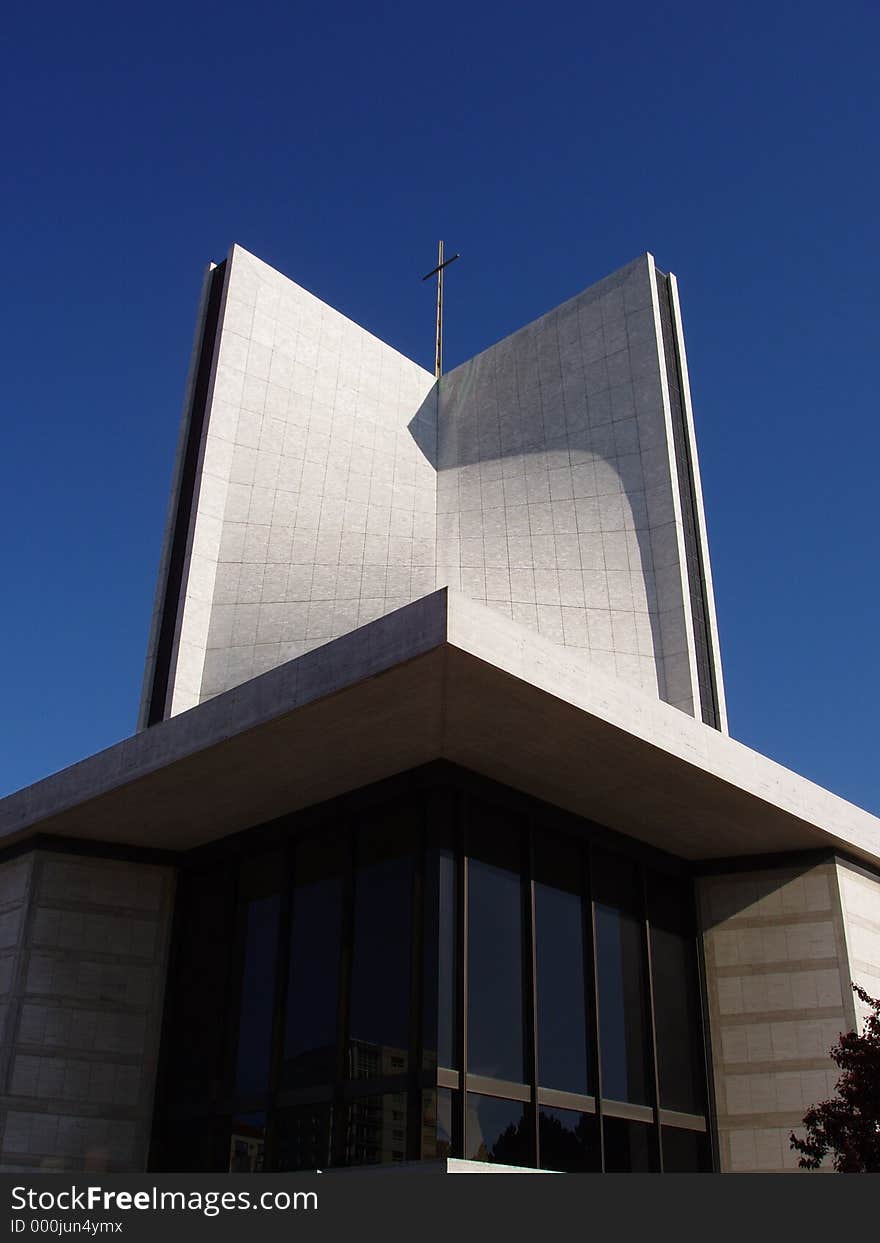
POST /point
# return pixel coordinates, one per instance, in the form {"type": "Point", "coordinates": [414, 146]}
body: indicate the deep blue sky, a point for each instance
{"type": "Point", "coordinates": [549, 144]}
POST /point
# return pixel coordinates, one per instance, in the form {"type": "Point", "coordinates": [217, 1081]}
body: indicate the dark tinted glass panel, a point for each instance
{"type": "Point", "coordinates": [437, 1124]}
{"type": "Point", "coordinates": [620, 952]}
{"type": "Point", "coordinates": [568, 1141]}
{"type": "Point", "coordinates": [380, 986]}
{"type": "Point", "coordinates": [247, 1142]}
{"type": "Point", "coordinates": [199, 1007]}
{"type": "Point", "coordinates": [440, 1000]}
{"type": "Point", "coordinates": [495, 984]}
{"type": "Point", "coordinates": [676, 995]}
{"type": "Point", "coordinates": [441, 920]}
{"type": "Point", "coordinates": [563, 1060]}
{"type": "Point", "coordinates": [313, 980]}
{"type": "Point", "coordinates": [376, 1129]}
{"type": "Point", "coordinates": [194, 1146]}
{"type": "Point", "coordinates": [685, 1152]}
{"type": "Point", "coordinates": [303, 1137]}
{"type": "Point", "coordinates": [497, 1131]}
{"type": "Point", "coordinates": [257, 996]}
{"type": "Point", "coordinates": [630, 1147]}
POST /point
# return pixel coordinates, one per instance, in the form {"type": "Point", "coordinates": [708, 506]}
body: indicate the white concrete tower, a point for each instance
{"type": "Point", "coordinates": [324, 480]}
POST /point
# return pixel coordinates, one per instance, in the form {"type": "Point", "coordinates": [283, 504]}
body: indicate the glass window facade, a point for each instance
{"type": "Point", "coordinates": [495, 1007]}
{"type": "Point", "coordinates": [621, 958]}
{"type": "Point", "coordinates": [380, 993]}
{"type": "Point", "coordinates": [435, 967]}
{"type": "Point", "coordinates": [254, 1046]}
{"type": "Point", "coordinates": [676, 996]}
{"type": "Point", "coordinates": [314, 956]}
{"type": "Point", "coordinates": [569, 1140]}
{"type": "Point", "coordinates": [498, 1130]}
{"type": "Point", "coordinates": [563, 1021]}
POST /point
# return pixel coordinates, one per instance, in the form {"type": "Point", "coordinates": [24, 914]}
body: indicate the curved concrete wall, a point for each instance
{"type": "Point", "coordinates": [558, 493]}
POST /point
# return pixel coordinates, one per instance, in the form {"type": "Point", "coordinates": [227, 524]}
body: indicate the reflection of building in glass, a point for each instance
{"type": "Point", "coordinates": [436, 1139]}
{"type": "Point", "coordinates": [370, 1061]}
{"type": "Point", "coordinates": [433, 845]}
{"type": "Point", "coordinates": [303, 1138]}
{"type": "Point", "coordinates": [376, 1129]}
{"type": "Point", "coordinates": [246, 1145]}
{"type": "Point", "coordinates": [376, 1125]}
{"type": "Point", "coordinates": [612, 995]}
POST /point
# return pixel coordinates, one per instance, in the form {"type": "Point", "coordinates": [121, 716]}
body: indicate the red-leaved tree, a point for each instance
{"type": "Point", "coordinates": [849, 1124]}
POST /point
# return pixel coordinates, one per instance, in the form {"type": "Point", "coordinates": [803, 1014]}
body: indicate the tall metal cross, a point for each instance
{"type": "Point", "coordinates": [438, 272]}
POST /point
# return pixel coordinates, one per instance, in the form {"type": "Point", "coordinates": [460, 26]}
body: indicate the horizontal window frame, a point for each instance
{"type": "Point", "coordinates": [290, 1098]}
{"type": "Point", "coordinates": [501, 1089]}
{"type": "Point", "coordinates": [628, 1111]}
{"type": "Point", "coordinates": [683, 1122]}
{"type": "Point", "coordinates": [554, 1098]}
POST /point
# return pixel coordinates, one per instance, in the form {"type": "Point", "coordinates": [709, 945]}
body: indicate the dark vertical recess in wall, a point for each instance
{"type": "Point", "coordinates": [687, 494]}
{"type": "Point", "coordinates": [185, 497]}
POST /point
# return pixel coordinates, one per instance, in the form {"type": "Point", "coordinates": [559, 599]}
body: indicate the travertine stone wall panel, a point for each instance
{"type": "Point", "coordinates": [15, 886]}
{"type": "Point", "coordinates": [541, 497]}
{"type": "Point", "coordinates": [337, 481]}
{"type": "Point", "coordinates": [860, 899]}
{"type": "Point", "coordinates": [316, 499]}
{"type": "Point", "coordinates": [556, 497]}
{"type": "Point", "coordinates": [84, 1007]}
{"type": "Point", "coordinates": [777, 978]}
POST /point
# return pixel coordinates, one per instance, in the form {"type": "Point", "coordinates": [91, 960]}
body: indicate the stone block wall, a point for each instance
{"type": "Point", "coordinates": [778, 982]}
{"type": "Point", "coordinates": [860, 900]}
{"type": "Point", "coordinates": [83, 950]}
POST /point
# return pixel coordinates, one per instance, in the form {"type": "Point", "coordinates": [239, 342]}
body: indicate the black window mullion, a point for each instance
{"type": "Point", "coordinates": [459, 1115]}
{"type": "Point", "coordinates": [706, 1037]}
{"type": "Point", "coordinates": [593, 989]}
{"type": "Point", "coordinates": [282, 976]}
{"type": "Point", "coordinates": [225, 1066]}
{"type": "Point", "coordinates": [591, 1017]}
{"type": "Point", "coordinates": [652, 1019]}
{"type": "Point", "coordinates": [416, 999]}
{"type": "Point", "coordinates": [234, 989]}
{"type": "Point", "coordinates": [529, 962]}
{"type": "Point", "coordinates": [340, 1112]}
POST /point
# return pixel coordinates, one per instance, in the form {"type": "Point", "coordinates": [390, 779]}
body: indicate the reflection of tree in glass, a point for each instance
{"type": "Point", "coordinates": [561, 1147]}
{"type": "Point", "coordinates": [510, 1148]}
